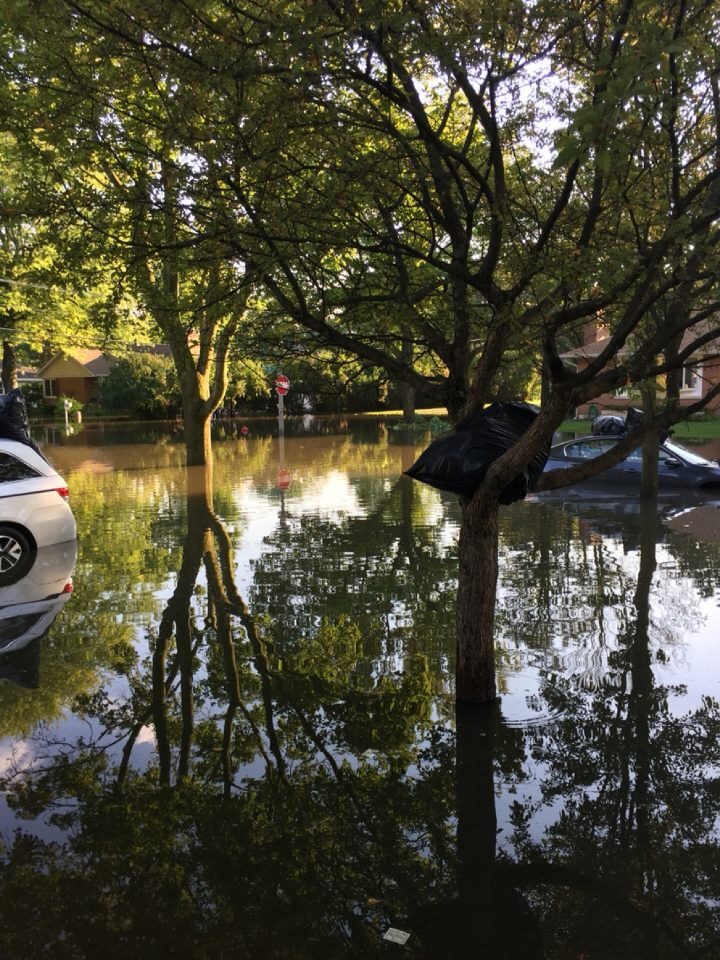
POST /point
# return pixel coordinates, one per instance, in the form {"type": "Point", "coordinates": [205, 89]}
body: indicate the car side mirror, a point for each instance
{"type": "Point", "coordinates": [672, 463]}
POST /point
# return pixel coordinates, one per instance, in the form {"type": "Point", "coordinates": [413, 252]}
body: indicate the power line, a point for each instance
{"type": "Point", "coordinates": [16, 335]}
{"type": "Point", "coordinates": [31, 286]}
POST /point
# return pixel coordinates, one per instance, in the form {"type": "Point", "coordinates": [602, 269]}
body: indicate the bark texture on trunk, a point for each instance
{"type": "Point", "coordinates": [407, 395]}
{"type": "Point", "coordinates": [477, 585]}
{"type": "Point", "coordinates": [197, 433]}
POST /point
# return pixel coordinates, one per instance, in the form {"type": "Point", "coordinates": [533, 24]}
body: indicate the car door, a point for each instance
{"type": "Point", "coordinates": [673, 473]}
{"type": "Point", "coordinates": [588, 448]}
{"type": "Point", "coordinates": [629, 470]}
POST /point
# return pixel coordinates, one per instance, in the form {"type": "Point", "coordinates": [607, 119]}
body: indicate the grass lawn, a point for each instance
{"type": "Point", "coordinates": [423, 412]}
{"type": "Point", "coordinates": [698, 430]}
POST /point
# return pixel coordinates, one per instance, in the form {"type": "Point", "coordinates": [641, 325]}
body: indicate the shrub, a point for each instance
{"type": "Point", "coordinates": [144, 385]}
{"type": "Point", "coordinates": [74, 406]}
{"type": "Point", "coordinates": [32, 391]}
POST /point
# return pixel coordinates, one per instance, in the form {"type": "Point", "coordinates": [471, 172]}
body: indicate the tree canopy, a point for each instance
{"type": "Point", "coordinates": [437, 189]}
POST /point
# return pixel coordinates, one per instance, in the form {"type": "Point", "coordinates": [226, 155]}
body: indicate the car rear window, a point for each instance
{"type": "Point", "coordinates": [13, 469]}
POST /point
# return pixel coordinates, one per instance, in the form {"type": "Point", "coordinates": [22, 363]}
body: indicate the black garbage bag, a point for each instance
{"type": "Point", "coordinates": [613, 425]}
{"type": "Point", "coordinates": [609, 425]}
{"type": "Point", "coordinates": [14, 423]}
{"type": "Point", "coordinates": [458, 461]}
{"type": "Point", "coordinates": [634, 418]}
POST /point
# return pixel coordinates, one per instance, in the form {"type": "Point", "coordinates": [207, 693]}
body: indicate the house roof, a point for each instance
{"type": "Point", "coordinates": [94, 361]}
{"type": "Point", "coordinates": [589, 351]}
{"type": "Point", "coordinates": [26, 374]}
{"type": "Point", "coordinates": [98, 363]}
{"type": "Point", "coordinates": [158, 349]}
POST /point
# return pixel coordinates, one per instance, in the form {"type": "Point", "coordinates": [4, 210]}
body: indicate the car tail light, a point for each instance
{"type": "Point", "coordinates": [64, 492]}
{"type": "Point", "coordinates": [68, 588]}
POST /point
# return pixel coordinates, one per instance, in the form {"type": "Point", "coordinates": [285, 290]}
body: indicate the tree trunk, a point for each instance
{"type": "Point", "coordinates": [197, 440]}
{"type": "Point", "coordinates": [477, 584]}
{"type": "Point", "coordinates": [407, 392]}
{"type": "Point", "coordinates": [650, 455]}
{"type": "Point", "coordinates": [197, 427]}
{"type": "Point", "coordinates": [407, 397]}
{"type": "Point", "coordinates": [545, 386]}
{"type": "Point", "coordinates": [650, 448]}
{"type": "Point", "coordinates": [9, 366]}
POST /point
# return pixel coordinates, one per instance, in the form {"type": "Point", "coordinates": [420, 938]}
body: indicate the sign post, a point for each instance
{"type": "Point", "coordinates": [282, 386]}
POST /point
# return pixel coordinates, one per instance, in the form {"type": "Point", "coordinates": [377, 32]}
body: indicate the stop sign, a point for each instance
{"type": "Point", "coordinates": [283, 479]}
{"type": "Point", "coordinates": [282, 384]}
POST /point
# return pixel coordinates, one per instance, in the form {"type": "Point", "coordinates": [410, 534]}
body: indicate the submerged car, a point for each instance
{"type": "Point", "coordinates": [678, 467]}
{"type": "Point", "coordinates": [34, 508]}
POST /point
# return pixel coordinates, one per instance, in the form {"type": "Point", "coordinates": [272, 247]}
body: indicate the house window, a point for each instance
{"type": "Point", "coordinates": [50, 388]}
{"type": "Point", "coordinates": [691, 381]}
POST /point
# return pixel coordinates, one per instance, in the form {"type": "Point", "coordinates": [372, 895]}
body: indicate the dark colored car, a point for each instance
{"type": "Point", "coordinates": [678, 467]}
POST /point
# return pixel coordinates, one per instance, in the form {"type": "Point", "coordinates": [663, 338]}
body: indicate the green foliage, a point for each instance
{"type": "Point", "coordinates": [327, 383]}
{"type": "Point", "coordinates": [435, 425]}
{"type": "Point", "coordinates": [379, 212]}
{"type": "Point", "coordinates": [248, 383]}
{"type": "Point", "coordinates": [67, 404]}
{"type": "Point", "coordinates": [142, 384]}
{"type": "Point", "coordinates": [33, 394]}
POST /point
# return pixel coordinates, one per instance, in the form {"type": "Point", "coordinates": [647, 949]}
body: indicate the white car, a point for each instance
{"type": "Point", "coordinates": [34, 508]}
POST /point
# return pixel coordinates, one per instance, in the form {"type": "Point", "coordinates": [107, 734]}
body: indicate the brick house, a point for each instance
{"type": "Point", "coordinates": [700, 374]}
{"type": "Point", "coordinates": [79, 373]}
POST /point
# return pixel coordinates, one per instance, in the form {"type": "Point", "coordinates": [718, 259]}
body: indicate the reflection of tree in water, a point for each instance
{"type": "Point", "coordinates": [226, 866]}
{"type": "Point", "coordinates": [565, 579]}
{"type": "Point", "coordinates": [640, 809]}
{"type": "Point", "coordinates": [297, 804]}
{"type": "Point", "coordinates": [387, 572]}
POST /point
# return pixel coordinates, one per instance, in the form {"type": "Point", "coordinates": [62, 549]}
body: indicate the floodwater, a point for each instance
{"type": "Point", "coordinates": [237, 738]}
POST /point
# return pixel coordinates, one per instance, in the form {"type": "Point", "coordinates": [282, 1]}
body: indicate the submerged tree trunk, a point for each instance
{"type": "Point", "coordinates": [649, 481]}
{"type": "Point", "coordinates": [650, 448]}
{"type": "Point", "coordinates": [196, 421]}
{"type": "Point", "coordinates": [477, 585]}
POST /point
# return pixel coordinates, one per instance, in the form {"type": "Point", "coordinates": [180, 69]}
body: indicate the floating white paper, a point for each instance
{"type": "Point", "coordinates": [396, 936]}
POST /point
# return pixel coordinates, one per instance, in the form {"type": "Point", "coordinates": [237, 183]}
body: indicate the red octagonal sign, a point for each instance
{"type": "Point", "coordinates": [282, 384]}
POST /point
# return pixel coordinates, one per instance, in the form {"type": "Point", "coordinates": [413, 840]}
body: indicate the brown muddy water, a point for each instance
{"type": "Point", "coordinates": [237, 736]}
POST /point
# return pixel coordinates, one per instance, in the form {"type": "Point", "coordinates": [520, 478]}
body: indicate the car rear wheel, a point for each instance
{"type": "Point", "coordinates": [16, 554]}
